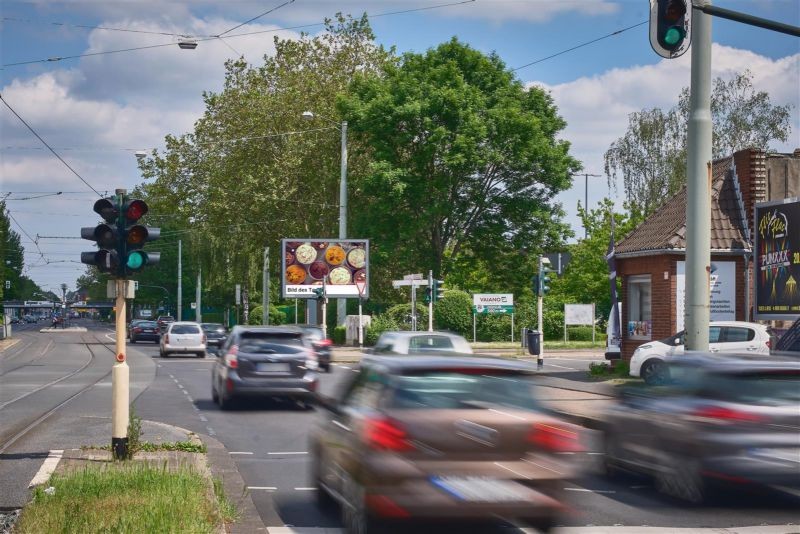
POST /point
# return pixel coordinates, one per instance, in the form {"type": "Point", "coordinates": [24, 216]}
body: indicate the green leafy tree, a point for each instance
{"type": "Point", "coordinates": [13, 259]}
{"type": "Point", "coordinates": [464, 160]}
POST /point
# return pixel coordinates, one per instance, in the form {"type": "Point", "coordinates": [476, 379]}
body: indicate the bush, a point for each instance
{"type": "Point", "coordinates": [494, 328]}
{"type": "Point", "coordinates": [339, 335]}
{"type": "Point", "coordinates": [581, 333]}
{"type": "Point", "coordinates": [401, 315]}
{"type": "Point", "coordinates": [275, 316]}
{"type": "Point", "coordinates": [380, 323]}
{"type": "Point", "coordinates": [454, 312]}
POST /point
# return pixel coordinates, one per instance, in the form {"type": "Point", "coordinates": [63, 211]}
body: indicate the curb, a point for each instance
{"type": "Point", "coordinates": [7, 343]}
{"type": "Point", "coordinates": [224, 468]}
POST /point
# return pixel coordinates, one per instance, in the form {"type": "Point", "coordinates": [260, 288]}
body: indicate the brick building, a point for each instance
{"type": "Point", "coordinates": [651, 259]}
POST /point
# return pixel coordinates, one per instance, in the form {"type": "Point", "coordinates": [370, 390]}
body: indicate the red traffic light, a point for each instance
{"type": "Point", "coordinates": [675, 10]}
{"type": "Point", "coordinates": [135, 209]}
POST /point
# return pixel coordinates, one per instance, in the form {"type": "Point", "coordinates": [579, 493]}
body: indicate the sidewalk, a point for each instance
{"type": "Point", "coordinates": [7, 343]}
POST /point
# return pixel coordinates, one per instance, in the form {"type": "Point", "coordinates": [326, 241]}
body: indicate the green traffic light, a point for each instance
{"type": "Point", "coordinates": [135, 260]}
{"type": "Point", "coordinates": [673, 36]}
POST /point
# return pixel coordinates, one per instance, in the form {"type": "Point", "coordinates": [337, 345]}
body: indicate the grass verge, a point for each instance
{"type": "Point", "coordinates": [146, 446]}
{"type": "Point", "coordinates": [549, 345]}
{"type": "Point", "coordinates": [605, 370]}
{"type": "Point", "coordinates": [122, 497]}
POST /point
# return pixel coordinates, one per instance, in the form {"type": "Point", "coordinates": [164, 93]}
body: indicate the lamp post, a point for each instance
{"type": "Point", "coordinates": [341, 304]}
{"type": "Point", "coordinates": [586, 196]}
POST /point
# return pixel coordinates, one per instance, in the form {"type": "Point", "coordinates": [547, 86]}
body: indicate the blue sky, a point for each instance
{"type": "Point", "coordinates": [97, 110]}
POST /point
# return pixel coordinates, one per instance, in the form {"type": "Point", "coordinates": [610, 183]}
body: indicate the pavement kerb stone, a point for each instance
{"type": "Point", "coordinates": [7, 343]}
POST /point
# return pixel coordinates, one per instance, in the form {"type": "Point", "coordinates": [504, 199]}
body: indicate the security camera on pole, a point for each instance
{"type": "Point", "coordinates": [119, 241]}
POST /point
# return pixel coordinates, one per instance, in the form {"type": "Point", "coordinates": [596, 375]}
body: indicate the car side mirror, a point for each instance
{"type": "Point", "coordinates": [677, 341]}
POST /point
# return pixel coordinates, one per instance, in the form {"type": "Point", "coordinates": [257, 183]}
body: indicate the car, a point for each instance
{"type": "Point", "coordinates": [163, 321]}
{"type": "Point", "coordinates": [215, 333]}
{"type": "Point", "coordinates": [264, 361]}
{"type": "Point", "coordinates": [15, 320]}
{"type": "Point", "coordinates": [321, 345]}
{"type": "Point", "coordinates": [420, 343]}
{"type": "Point", "coordinates": [454, 437]}
{"type": "Point", "coordinates": [145, 331]}
{"type": "Point", "coordinates": [182, 338]}
{"type": "Point", "coordinates": [133, 324]}
{"type": "Point", "coordinates": [651, 360]}
{"type": "Point", "coordinates": [723, 420]}
{"type": "Point", "coordinates": [29, 319]}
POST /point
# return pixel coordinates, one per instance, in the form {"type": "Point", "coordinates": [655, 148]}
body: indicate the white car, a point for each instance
{"type": "Point", "coordinates": [183, 337]}
{"type": "Point", "coordinates": [420, 343]}
{"type": "Point", "coordinates": [649, 361]}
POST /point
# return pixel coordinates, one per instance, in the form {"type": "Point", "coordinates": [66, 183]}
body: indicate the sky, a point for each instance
{"type": "Point", "coordinates": [96, 111]}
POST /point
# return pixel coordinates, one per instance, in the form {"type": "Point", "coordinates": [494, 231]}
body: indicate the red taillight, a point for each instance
{"type": "Point", "coordinates": [325, 343]}
{"type": "Point", "coordinates": [769, 343]}
{"type": "Point", "coordinates": [383, 506]}
{"type": "Point", "coordinates": [137, 330]}
{"type": "Point", "coordinates": [387, 435]}
{"type": "Point", "coordinates": [166, 339]}
{"type": "Point", "coordinates": [720, 413]}
{"type": "Point", "coordinates": [230, 358]}
{"type": "Point", "coordinates": [554, 438]}
{"type": "Point", "coordinates": [204, 339]}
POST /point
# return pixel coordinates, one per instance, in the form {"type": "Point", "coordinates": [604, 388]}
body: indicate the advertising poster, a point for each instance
{"type": "Point", "coordinates": [340, 265]}
{"type": "Point", "coordinates": [777, 260]}
{"type": "Point", "coordinates": [722, 291]}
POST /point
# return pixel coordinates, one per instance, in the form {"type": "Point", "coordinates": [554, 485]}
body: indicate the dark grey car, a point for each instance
{"type": "Point", "coordinates": [728, 419]}
{"type": "Point", "coordinates": [266, 362]}
{"type": "Point", "coordinates": [322, 346]}
{"type": "Point", "coordinates": [216, 333]}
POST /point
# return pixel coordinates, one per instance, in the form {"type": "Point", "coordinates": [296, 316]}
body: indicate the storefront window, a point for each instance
{"type": "Point", "coordinates": [639, 297]}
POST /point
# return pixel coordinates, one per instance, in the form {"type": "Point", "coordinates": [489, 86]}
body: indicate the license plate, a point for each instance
{"type": "Point", "coordinates": [481, 489]}
{"type": "Point", "coordinates": [272, 367]}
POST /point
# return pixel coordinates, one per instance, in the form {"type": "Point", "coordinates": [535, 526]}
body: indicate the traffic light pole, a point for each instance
{"type": "Point", "coordinates": [539, 314]}
{"type": "Point", "coordinates": [430, 302]}
{"type": "Point", "coordinates": [120, 376]}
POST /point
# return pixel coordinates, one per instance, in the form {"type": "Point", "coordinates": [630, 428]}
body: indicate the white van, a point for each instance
{"type": "Point", "coordinates": [613, 343]}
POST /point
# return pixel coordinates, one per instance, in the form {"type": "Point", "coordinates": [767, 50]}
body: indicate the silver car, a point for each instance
{"type": "Point", "coordinates": [420, 343]}
{"type": "Point", "coordinates": [183, 338]}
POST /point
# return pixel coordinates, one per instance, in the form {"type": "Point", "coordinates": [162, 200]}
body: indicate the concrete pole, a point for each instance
{"type": "Point", "coordinates": [120, 376]}
{"type": "Point", "coordinates": [698, 187]}
{"type": "Point", "coordinates": [180, 288]}
{"type": "Point", "coordinates": [198, 314]}
{"type": "Point", "coordinates": [540, 321]}
{"type": "Point", "coordinates": [430, 302]}
{"type": "Point", "coordinates": [265, 290]}
{"type": "Point", "coordinates": [341, 304]}
{"type": "Point", "coordinates": [324, 321]}
{"type": "Point", "coordinates": [360, 325]}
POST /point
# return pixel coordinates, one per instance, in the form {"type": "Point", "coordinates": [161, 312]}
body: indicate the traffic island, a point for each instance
{"type": "Point", "coordinates": [70, 330]}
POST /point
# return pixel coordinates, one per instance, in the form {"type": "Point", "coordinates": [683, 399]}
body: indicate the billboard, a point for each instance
{"type": "Point", "coordinates": [342, 265]}
{"type": "Point", "coordinates": [777, 259]}
{"type": "Point", "coordinates": [487, 303]}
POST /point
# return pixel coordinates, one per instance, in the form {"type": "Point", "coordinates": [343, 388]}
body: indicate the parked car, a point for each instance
{"type": "Point", "coordinates": [29, 319]}
{"type": "Point", "coordinates": [182, 338]}
{"type": "Point", "coordinates": [440, 437]}
{"type": "Point", "coordinates": [420, 343]}
{"type": "Point", "coordinates": [163, 321]}
{"type": "Point", "coordinates": [216, 333]}
{"type": "Point", "coordinates": [729, 419]}
{"type": "Point", "coordinates": [145, 331]}
{"type": "Point", "coordinates": [322, 346]}
{"type": "Point", "coordinates": [264, 361]}
{"type": "Point", "coordinates": [650, 361]}
{"type": "Point", "coordinates": [132, 325]}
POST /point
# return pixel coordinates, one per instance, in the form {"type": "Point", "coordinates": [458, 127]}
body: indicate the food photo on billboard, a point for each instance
{"type": "Point", "coordinates": [338, 265]}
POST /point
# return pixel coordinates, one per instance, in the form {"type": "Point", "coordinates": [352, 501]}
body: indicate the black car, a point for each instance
{"type": "Point", "coordinates": [163, 321]}
{"type": "Point", "coordinates": [145, 331]}
{"type": "Point", "coordinates": [264, 361]}
{"type": "Point", "coordinates": [216, 334]}
{"type": "Point", "coordinates": [322, 346]}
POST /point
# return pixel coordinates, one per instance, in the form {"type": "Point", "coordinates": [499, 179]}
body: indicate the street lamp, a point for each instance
{"type": "Point", "coordinates": [586, 196]}
{"type": "Point", "coordinates": [341, 304]}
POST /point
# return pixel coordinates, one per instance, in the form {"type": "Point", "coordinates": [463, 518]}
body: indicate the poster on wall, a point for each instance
{"type": "Point", "coordinates": [340, 265]}
{"type": "Point", "coordinates": [722, 291]}
{"type": "Point", "coordinates": [777, 259]}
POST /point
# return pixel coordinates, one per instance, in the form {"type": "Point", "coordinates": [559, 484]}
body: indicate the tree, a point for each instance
{"type": "Point", "coordinates": [651, 156]}
{"type": "Point", "coordinates": [465, 160]}
{"type": "Point", "coordinates": [13, 259]}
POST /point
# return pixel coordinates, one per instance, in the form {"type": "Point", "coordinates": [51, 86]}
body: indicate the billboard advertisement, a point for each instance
{"type": "Point", "coordinates": [777, 259]}
{"type": "Point", "coordinates": [487, 303]}
{"type": "Point", "coordinates": [341, 265]}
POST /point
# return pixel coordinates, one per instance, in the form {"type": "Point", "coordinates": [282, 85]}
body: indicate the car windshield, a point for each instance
{"type": "Point", "coordinates": [271, 343]}
{"type": "Point", "coordinates": [430, 343]}
{"type": "Point", "coordinates": [147, 324]}
{"type": "Point", "coordinates": [470, 389]}
{"type": "Point", "coordinates": [213, 327]}
{"type": "Point", "coordinates": [185, 329]}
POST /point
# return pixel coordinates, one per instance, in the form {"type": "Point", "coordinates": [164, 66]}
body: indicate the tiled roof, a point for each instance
{"type": "Point", "coordinates": [665, 229]}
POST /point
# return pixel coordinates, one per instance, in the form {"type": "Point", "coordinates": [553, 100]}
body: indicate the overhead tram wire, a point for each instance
{"type": "Point", "coordinates": [213, 37]}
{"type": "Point", "coordinates": [49, 147]}
{"type": "Point", "coordinates": [254, 18]}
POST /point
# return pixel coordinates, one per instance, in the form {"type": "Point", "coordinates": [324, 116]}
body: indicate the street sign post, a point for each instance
{"type": "Point", "coordinates": [361, 285]}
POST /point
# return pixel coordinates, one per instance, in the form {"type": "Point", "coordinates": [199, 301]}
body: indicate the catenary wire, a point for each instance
{"type": "Point", "coordinates": [256, 17]}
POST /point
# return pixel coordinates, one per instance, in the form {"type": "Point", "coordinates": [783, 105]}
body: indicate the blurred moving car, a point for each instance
{"type": "Point", "coordinates": [732, 419]}
{"type": "Point", "coordinates": [132, 325]}
{"type": "Point", "coordinates": [144, 331]}
{"type": "Point", "coordinates": [420, 343]}
{"type": "Point", "coordinates": [216, 333]}
{"type": "Point", "coordinates": [440, 437]}
{"type": "Point", "coordinates": [266, 361]}
{"type": "Point", "coordinates": [321, 345]}
{"type": "Point", "coordinates": [650, 360]}
{"type": "Point", "coordinates": [29, 319]}
{"type": "Point", "coordinates": [183, 337]}
{"type": "Point", "coordinates": [163, 321]}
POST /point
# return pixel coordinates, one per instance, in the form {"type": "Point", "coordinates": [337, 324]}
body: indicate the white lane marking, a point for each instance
{"type": "Point", "coordinates": [211, 431]}
{"type": "Point", "coordinates": [240, 452]}
{"type": "Point", "coordinates": [498, 464]}
{"type": "Point", "coordinates": [289, 452]}
{"type": "Point", "coordinates": [344, 367]}
{"type": "Point", "coordinates": [172, 377]}
{"type": "Point", "coordinates": [203, 418]}
{"type": "Point", "coordinates": [184, 391]}
{"type": "Point", "coordinates": [354, 370]}
{"type": "Point", "coordinates": [179, 385]}
{"type": "Point", "coordinates": [111, 337]}
{"type": "Point", "coordinates": [267, 488]}
{"type": "Point", "coordinates": [305, 489]}
{"type": "Point", "coordinates": [44, 351]}
{"type": "Point", "coordinates": [639, 487]}
{"type": "Point", "coordinates": [48, 466]}
{"type": "Point", "coordinates": [561, 367]}
{"type": "Point", "coordinates": [589, 490]}
{"type": "Point", "coordinates": [189, 398]}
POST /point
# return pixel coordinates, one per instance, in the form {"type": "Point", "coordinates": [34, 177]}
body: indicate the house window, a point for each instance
{"type": "Point", "coordinates": [639, 297]}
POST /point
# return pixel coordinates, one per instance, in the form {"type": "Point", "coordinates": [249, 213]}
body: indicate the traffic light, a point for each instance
{"type": "Point", "coordinates": [428, 294]}
{"type": "Point", "coordinates": [319, 292]}
{"type": "Point", "coordinates": [132, 258]}
{"type": "Point", "coordinates": [535, 284]}
{"type": "Point", "coordinates": [437, 292]}
{"type": "Point", "coordinates": [670, 27]}
{"type": "Point", "coordinates": [106, 258]}
{"type": "Point", "coordinates": [544, 279]}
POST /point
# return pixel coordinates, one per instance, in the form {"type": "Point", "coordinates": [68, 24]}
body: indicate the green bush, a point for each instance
{"type": "Point", "coordinates": [380, 323]}
{"type": "Point", "coordinates": [339, 335]}
{"type": "Point", "coordinates": [454, 312]}
{"type": "Point", "coordinates": [494, 328]}
{"type": "Point", "coordinates": [581, 333]}
{"type": "Point", "coordinates": [401, 315]}
{"type": "Point", "coordinates": [275, 316]}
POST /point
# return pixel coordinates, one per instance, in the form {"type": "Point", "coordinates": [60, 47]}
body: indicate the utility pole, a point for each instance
{"type": "Point", "coordinates": [180, 287]}
{"type": "Point", "coordinates": [430, 302]}
{"type": "Point", "coordinates": [698, 184]}
{"type": "Point", "coordinates": [198, 314]}
{"type": "Point", "coordinates": [341, 304]}
{"type": "Point", "coordinates": [265, 289]}
{"type": "Point", "coordinates": [586, 196]}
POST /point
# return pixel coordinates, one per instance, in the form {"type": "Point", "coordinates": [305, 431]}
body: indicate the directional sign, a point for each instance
{"type": "Point", "coordinates": [416, 276]}
{"type": "Point", "coordinates": [492, 308]}
{"type": "Point", "coordinates": [416, 283]}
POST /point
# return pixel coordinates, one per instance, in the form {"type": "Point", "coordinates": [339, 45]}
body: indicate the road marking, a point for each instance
{"type": "Point", "coordinates": [47, 468]}
{"type": "Point", "coordinates": [179, 385]}
{"type": "Point", "coordinates": [561, 367]}
{"type": "Point", "coordinates": [211, 431]}
{"type": "Point", "coordinates": [305, 489]}
{"type": "Point", "coordinates": [266, 488]}
{"type": "Point", "coordinates": [50, 344]}
{"type": "Point", "coordinates": [190, 399]}
{"type": "Point", "coordinates": [354, 370]}
{"type": "Point", "coordinates": [240, 452]}
{"type": "Point", "coordinates": [589, 490]}
{"type": "Point", "coordinates": [172, 377]}
{"type": "Point", "coordinates": [289, 452]}
{"type": "Point", "coordinates": [203, 418]}
{"type": "Point", "coordinates": [184, 391]}
{"type": "Point", "coordinates": [639, 487]}
{"type": "Point", "coordinates": [344, 367]}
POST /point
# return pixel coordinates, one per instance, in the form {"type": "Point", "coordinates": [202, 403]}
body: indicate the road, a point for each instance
{"type": "Point", "coordinates": [268, 439]}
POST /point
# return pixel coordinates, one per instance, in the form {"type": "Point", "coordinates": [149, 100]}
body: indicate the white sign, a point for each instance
{"type": "Point", "coordinates": [417, 276]}
{"type": "Point", "coordinates": [579, 314]}
{"type": "Point", "coordinates": [194, 305]}
{"type": "Point", "coordinates": [723, 292]}
{"type": "Point", "coordinates": [493, 299]}
{"type": "Point", "coordinates": [238, 294]}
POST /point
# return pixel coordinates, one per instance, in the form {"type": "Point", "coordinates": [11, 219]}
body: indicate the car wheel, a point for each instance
{"type": "Point", "coordinates": [325, 500]}
{"type": "Point", "coordinates": [354, 512]}
{"type": "Point", "coordinates": [680, 477]}
{"type": "Point", "coordinates": [655, 372]}
{"type": "Point", "coordinates": [214, 394]}
{"type": "Point", "coordinates": [225, 403]}
{"type": "Point", "coordinates": [201, 354]}
{"type": "Point", "coordinates": [611, 452]}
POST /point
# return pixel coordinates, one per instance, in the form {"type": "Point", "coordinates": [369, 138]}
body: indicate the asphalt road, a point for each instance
{"type": "Point", "coordinates": [268, 439]}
